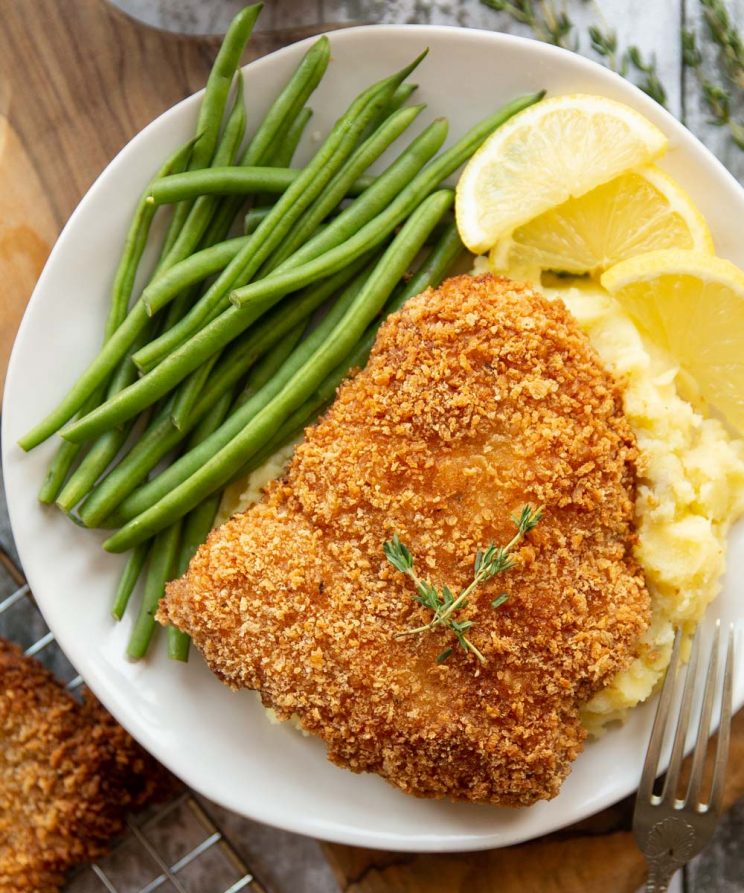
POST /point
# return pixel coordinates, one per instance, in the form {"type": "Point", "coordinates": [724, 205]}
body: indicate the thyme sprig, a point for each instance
{"type": "Point", "coordinates": [716, 98]}
{"type": "Point", "coordinates": [546, 22]}
{"type": "Point", "coordinates": [443, 604]}
{"type": "Point", "coordinates": [724, 33]}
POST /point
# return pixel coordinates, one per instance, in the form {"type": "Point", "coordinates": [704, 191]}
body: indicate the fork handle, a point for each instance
{"type": "Point", "coordinates": [658, 878]}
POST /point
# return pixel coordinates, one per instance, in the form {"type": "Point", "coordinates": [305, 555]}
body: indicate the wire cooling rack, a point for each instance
{"type": "Point", "coordinates": [176, 848]}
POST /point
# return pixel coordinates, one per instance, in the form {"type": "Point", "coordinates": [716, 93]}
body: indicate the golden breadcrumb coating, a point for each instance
{"type": "Point", "coordinates": [479, 397]}
{"type": "Point", "coordinates": [68, 775]}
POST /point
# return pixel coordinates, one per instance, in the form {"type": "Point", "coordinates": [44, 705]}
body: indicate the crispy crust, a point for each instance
{"type": "Point", "coordinates": [68, 775]}
{"type": "Point", "coordinates": [478, 397]}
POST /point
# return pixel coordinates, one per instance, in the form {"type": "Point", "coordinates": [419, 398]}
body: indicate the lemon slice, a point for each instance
{"type": "Point", "coordinates": [639, 211]}
{"type": "Point", "coordinates": [692, 305]}
{"type": "Point", "coordinates": [553, 150]}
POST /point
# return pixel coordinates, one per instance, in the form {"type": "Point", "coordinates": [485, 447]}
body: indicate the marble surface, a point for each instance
{"type": "Point", "coordinates": [287, 862]}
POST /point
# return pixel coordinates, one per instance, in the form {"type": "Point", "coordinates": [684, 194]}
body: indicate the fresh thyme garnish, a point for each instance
{"type": "Point", "coordinates": [443, 604]}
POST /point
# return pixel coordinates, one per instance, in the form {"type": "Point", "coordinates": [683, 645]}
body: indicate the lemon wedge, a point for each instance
{"type": "Point", "coordinates": [551, 151]}
{"type": "Point", "coordinates": [692, 305]}
{"type": "Point", "coordinates": [639, 211]}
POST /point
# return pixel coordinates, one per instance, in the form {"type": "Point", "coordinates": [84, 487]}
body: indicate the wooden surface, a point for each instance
{"type": "Point", "coordinates": [77, 80]}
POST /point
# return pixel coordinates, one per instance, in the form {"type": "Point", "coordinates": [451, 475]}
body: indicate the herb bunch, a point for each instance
{"type": "Point", "coordinates": [723, 32]}
{"type": "Point", "coordinates": [442, 603]}
{"type": "Point", "coordinates": [717, 99]}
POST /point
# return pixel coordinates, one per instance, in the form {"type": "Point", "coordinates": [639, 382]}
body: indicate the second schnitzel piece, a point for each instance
{"type": "Point", "coordinates": [68, 776]}
{"type": "Point", "coordinates": [479, 397]}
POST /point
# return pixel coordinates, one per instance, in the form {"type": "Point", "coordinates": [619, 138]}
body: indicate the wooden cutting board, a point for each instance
{"type": "Point", "coordinates": [77, 80]}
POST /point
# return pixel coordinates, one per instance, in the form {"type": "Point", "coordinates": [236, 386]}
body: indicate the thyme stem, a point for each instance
{"type": "Point", "coordinates": [443, 605]}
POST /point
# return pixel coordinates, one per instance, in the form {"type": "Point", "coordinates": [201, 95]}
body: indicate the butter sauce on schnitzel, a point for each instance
{"type": "Point", "coordinates": [479, 397]}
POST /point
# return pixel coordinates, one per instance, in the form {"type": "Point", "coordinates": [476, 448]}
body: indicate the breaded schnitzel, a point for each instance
{"type": "Point", "coordinates": [479, 397]}
{"type": "Point", "coordinates": [68, 776]}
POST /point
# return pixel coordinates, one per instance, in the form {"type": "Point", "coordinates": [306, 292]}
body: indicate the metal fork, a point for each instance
{"type": "Point", "coordinates": [670, 830]}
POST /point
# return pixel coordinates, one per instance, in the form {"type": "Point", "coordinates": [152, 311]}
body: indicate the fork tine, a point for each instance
{"type": "Point", "coordinates": [724, 727]}
{"type": "Point", "coordinates": [651, 763]}
{"type": "Point", "coordinates": [703, 732]}
{"type": "Point", "coordinates": [683, 723]}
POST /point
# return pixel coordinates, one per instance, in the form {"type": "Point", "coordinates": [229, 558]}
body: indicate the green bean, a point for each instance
{"type": "Point", "coordinates": [173, 369]}
{"type": "Point", "coordinates": [213, 106]}
{"type": "Point", "coordinates": [243, 353]}
{"type": "Point", "coordinates": [121, 291]}
{"type": "Point", "coordinates": [337, 147]}
{"type": "Point", "coordinates": [228, 325]}
{"type": "Point", "coordinates": [283, 112]}
{"type": "Point", "coordinates": [221, 466]}
{"type": "Point", "coordinates": [271, 362]}
{"type": "Point", "coordinates": [433, 269]}
{"type": "Point", "coordinates": [283, 437]}
{"type": "Point", "coordinates": [379, 196]}
{"type": "Point", "coordinates": [159, 571]}
{"type": "Point", "coordinates": [396, 101]}
{"type": "Point", "coordinates": [64, 457]}
{"type": "Point", "coordinates": [101, 453]}
{"type": "Point", "coordinates": [384, 191]}
{"type": "Point", "coordinates": [179, 642]}
{"type": "Point", "coordinates": [103, 450]}
{"type": "Point", "coordinates": [150, 492]}
{"type": "Point", "coordinates": [188, 272]}
{"type": "Point", "coordinates": [134, 244]}
{"type": "Point", "coordinates": [232, 181]}
{"type": "Point", "coordinates": [161, 436]}
{"type": "Point", "coordinates": [128, 579]}
{"type": "Point", "coordinates": [284, 152]}
{"type": "Point", "coordinates": [253, 217]}
{"type": "Point", "coordinates": [367, 153]}
{"type": "Point", "coordinates": [283, 148]}
{"type": "Point", "coordinates": [188, 392]}
{"type": "Point", "coordinates": [201, 212]}
{"type": "Point", "coordinates": [400, 97]}
{"type": "Point", "coordinates": [58, 469]}
{"type": "Point", "coordinates": [219, 82]}
{"type": "Point", "coordinates": [380, 191]}
{"type": "Point", "coordinates": [360, 160]}
{"type": "Point", "coordinates": [293, 97]}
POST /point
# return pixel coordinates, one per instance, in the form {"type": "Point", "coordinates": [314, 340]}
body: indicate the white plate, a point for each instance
{"type": "Point", "coordinates": [218, 742]}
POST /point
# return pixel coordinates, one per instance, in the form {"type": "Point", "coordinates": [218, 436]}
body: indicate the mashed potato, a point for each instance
{"type": "Point", "coordinates": [691, 489]}
{"type": "Point", "coordinates": [247, 491]}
